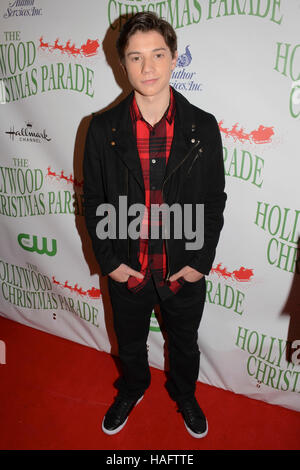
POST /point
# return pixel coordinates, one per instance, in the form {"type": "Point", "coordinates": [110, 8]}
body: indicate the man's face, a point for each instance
{"type": "Point", "coordinates": [148, 63]}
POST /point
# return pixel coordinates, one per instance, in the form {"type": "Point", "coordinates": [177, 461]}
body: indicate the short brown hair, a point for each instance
{"type": "Point", "coordinates": [146, 21]}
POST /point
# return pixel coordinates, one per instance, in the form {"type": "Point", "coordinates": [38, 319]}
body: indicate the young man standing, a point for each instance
{"type": "Point", "coordinates": [154, 148]}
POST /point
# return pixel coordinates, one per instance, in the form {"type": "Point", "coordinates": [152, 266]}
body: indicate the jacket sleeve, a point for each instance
{"type": "Point", "coordinates": [94, 194]}
{"type": "Point", "coordinates": [214, 205]}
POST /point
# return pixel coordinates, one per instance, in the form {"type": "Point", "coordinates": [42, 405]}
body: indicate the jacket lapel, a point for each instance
{"type": "Point", "coordinates": [179, 148]}
{"type": "Point", "coordinates": [124, 144]}
{"type": "Point", "coordinates": [184, 129]}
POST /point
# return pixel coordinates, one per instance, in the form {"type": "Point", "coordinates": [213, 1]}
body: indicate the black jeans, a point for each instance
{"type": "Point", "coordinates": [181, 314]}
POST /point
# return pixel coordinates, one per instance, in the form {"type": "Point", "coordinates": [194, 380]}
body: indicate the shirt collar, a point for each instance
{"type": "Point", "coordinates": [169, 114]}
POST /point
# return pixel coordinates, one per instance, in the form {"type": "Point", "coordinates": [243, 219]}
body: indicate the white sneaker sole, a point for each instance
{"type": "Point", "coordinates": [196, 435]}
{"type": "Point", "coordinates": [115, 431]}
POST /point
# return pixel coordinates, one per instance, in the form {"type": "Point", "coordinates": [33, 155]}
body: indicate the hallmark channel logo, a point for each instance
{"type": "Point", "coordinates": [181, 78]}
{"type": "Point", "coordinates": [28, 134]}
{"type": "Point", "coordinates": [22, 8]}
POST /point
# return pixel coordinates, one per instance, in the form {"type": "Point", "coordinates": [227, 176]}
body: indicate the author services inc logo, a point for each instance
{"type": "Point", "coordinates": [22, 8]}
{"type": "Point", "coordinates": [184, 79]}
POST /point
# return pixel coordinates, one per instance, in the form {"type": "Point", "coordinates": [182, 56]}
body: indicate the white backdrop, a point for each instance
{"type": "Point", "coordinates": [239, 60]}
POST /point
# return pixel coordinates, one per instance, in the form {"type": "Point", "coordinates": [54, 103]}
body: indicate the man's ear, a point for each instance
{"type": "Point", "coordinates": [123, 68]}
{"type": "Point", "coordinates": [174, 60]}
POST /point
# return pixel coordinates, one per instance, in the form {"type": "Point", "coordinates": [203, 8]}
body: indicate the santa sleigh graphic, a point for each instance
{"type": "Point", "coordinates": [92, 293]}
{"type": "Point", "coordinates": [262, 135]}
{"type": "Point", "coordinates": [234, 132]}
{"type": "Point", "coordinates": [240, 275]}
{"type": "Point", "coordinates": [243, 275]}
{"type": "Point", "coordinates": [90, 48]}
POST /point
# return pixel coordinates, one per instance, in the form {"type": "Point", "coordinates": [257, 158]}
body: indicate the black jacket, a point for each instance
{"type": "Point", "coordinates": [194, 174]}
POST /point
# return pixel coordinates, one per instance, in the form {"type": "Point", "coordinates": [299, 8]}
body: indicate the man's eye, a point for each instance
{"type": "Point", "coordinates": [135, 59]}
{"type": "Point", "coordinates": [159, 55]}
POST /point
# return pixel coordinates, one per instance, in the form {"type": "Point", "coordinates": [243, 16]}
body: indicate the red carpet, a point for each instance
{"type": "Point", "coordinates": [54, 393]}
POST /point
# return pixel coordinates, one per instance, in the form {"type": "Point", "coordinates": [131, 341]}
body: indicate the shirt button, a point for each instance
{"type": "Point", "coordinates": [153, 187]}
{"type": "Point", "coordinates": [153, 160]}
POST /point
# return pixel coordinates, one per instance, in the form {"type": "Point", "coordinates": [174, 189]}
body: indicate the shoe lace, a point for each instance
{"type": "Point", "coordinates": [191, 410]}
{"type": "Point", "coordinates": [123, 405]}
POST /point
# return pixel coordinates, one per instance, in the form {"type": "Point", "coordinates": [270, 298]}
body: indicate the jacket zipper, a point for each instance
{"type": "Point", "coordinates": [197, 156]}
{"type": "Point", "coordinates": [186, 156]}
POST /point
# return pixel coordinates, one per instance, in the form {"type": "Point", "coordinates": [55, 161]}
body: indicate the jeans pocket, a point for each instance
{"type": "Point", "coordinates": [194, 282]}
{"type": "Point", "coordinates": [119, 282]}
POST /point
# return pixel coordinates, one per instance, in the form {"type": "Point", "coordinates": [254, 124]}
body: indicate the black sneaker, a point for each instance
{"type": "Point", "coordinates": [194, 418]}
{"type": "Point", "coordinates": [117, 415]}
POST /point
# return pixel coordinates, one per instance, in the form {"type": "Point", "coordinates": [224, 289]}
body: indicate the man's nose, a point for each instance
{"type": "Point", "coordinates": [148, 65]}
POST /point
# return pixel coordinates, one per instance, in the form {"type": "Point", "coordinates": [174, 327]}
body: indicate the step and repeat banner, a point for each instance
{"type": "Point", "coordinates": [238, 59]}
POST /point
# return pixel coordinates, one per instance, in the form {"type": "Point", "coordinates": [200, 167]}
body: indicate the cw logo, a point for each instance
{"type": "Point", "coordinates": [2, 352]}
{"type": "Point", "coordinates": [30, 243]}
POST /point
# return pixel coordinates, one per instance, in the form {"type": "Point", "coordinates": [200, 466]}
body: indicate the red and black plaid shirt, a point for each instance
{"type": "Point", "coordinates": [154, 144]}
